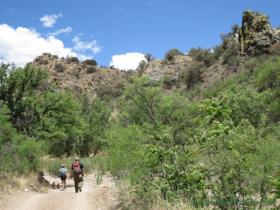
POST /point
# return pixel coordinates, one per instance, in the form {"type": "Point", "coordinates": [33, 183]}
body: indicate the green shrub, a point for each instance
{"type": "Point", "coordinates": [167, 82]}
{"type": "Point", "coordinates": [91, 69]}
{"type": "Point", "coordinates": [169, 55]}
{"type": "Point", "coordinates": [74, 60]}
{"type": "Point", "coordinates": [90, 62]}
{"type": "Point", "coordinates": [192, 74]}
{"type": "Point", "coordinates": [149, 57]}
{"type": "Point", "coordinates": [142, 64]}
{"type": "Point", "coordinates": [59, 67]}
{"type": "Point", "coordinates": [202, 55]}
{"type": "Point", "coordinates": [44, 62]}
{"type": "Point", "coordinates": [164, 61]}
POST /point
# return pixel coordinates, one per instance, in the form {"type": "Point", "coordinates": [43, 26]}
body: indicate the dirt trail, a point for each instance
{"type": "Point", "coordinates": [92, 197]}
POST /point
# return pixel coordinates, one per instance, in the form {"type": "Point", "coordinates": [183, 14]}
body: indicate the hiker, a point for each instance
{"type": "Point", "coordinates": [63, 175]}
{"type": "Point", "coordinates": [77, 170]}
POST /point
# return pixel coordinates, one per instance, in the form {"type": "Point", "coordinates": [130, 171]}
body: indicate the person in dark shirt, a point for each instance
{"type": "Point", "coordinates": [77, 171]}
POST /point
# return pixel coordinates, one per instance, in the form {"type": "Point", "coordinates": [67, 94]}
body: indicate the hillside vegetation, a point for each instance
{"type": "Point", "coordinates": [200, 129]}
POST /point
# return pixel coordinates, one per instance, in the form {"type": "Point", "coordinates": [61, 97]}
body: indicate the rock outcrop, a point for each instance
{"type": "Point", "coordinates": [157, 69]}
{"type": "Point", "coordinates": [256, 33]}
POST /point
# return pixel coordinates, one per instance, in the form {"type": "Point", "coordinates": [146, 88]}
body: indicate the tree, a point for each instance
{"type": "Point", "coordinates": [50, 116]}
{"type": "Point", "coordinates": [144, 96]}
{"type": "Point", "coordinates": [192, 74]}
{"type": "Point", "coordinates": [149, 57]}
{"type": "Point", "coordinates": [169, 55]}
{"type": "Point", "coordinates": [96, 116]}
{"type": "Point", "coordinates": [16, 86]}
{"type": "Point", "coordinates": [202, 55]}
{"type": "Point", "coordinates": [246, 103]}
{"type": "Point", "coordinates": [18, 153]}
{"type": "Point", "coordinates": [90, 62]}
{"type": "Point", "coordinates": [142, 64]}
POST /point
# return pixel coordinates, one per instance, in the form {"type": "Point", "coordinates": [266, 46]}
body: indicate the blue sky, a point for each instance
{"type": "Point", "coordinates": [118, 32]}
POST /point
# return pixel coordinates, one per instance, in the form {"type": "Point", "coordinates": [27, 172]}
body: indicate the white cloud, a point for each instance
{"type": "Point", "coordinates": [22, 45]}
{"type": "Point", "coordinates": [66, 30]}
{"type": "Point", "coordinates": [82, 46]}
{"type": "Point", "coordinates": [83, 57]}
{"type": "Point", "coordinates": [127, 61]}
{"type": "Point", "coordinates": [49, 20]}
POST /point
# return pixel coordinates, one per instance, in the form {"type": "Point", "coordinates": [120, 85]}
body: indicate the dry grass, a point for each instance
{"type": "Point", "coordinates": [12, 183]}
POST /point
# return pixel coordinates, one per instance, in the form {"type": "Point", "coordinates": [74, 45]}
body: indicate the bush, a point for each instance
{"type": "Point", "coordinates": [202, 55]}
{"type": "Point", "coordinates": [108, 92]}
{"type": "Point", "coordinates": [49, 55]}
{"type": "Point", "coordinates": [91, 69]}
{"type": "Point", "coordinates": [142, 64]}
{"type": "Point", "coordinates": [44, 62]}
{"type": "Point", "coordinates": [192, 73]}
{"type": "Point", "coordinates": [164, 61]}
{"type": "Point", "coordinates": [167, 82]}
{"type": "Point", "coordinates": [169, 55]}
{"type": "Point", "coordinates": [90, 62]}
{"type": "Point", "coordinates": [59, 67]}
{"type": "Point", "coordinates": [74, 60]}
{"type": "Point", "coordinates": [149, 57]}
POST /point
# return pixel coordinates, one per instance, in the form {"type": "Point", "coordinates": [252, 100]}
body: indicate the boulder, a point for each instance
{"type": "Point", "coordinates": [256, 33]}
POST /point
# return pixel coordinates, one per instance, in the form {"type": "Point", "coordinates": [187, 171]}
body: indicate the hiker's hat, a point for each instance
{"type": "Point", "coordinates": [76, 158]}
{"type": "Point", "coordinates": [63, 165]}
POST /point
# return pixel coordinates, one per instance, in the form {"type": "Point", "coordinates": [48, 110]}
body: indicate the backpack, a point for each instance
{"type": "Point", "coordinates": [62, 171]}
{"type": "Point", "coordinates": [76, 168]}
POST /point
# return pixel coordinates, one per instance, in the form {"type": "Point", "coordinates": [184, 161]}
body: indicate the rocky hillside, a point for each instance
{"type": "Point", "coordinates": [78, 76]}
{"type": "Point", "coordinates": [254, 37]}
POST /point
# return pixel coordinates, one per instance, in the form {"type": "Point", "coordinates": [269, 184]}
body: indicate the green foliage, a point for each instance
{"type": "Point", "coordinates": [18, 154]}
{"type": "Point", "coordinates": [44, 62]}
{"type": "Point", "coordinates": [74, 59]}
{"type": "Point", "coordinates": [90, 62]}
{"type": "Point", "coordinates": [169, 55]}
{"type": "Point", "coordinates": [246, 103]}
{"type": "Point", "coordinates": [142, 64]}
{"type": "Point", "coordinates": [51, 116]}
{"type": "Point", "coordinates": [91, 69]}
{"type": "Point", "coordinates": [50, 55]}
{"type": "Point", "coordinates": [149, 57]}
{"type": "Point", "coordinates": [167, 82]}
{"type": "Point", "coordinates": [202, 55]}
{"type": "Point", "coordinates": [96, 116]}
{"type": "Point", "coordinates": [108, 92]}
{"type": "Point", "coordinates": [59, 67]}
{"type": "Point", "coordinates": [267, 77]}
{"type": "Point", "coordinates": [192, 74]}
{"type": "Point", "coordinates": [251, 64]}
{"type": "Point", "coordinates": [164, 61]}
{"type": "Point", "coordinates": [234, 156]}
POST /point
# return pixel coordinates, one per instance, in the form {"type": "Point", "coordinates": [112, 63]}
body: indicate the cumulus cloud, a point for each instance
{"type": "Point", "coordinates": [82, 46]}
{"type": "Point", "coordinates": [127, 61]}
{"type": "Point", "coordinates": [49, 20]}
{"type": "Point", "coordinates": [22, 45]}
{"type": "Point", "coordinates": [61, 31]}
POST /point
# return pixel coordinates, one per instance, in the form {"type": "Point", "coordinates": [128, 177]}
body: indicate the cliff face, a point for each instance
{"type": "Point", "coordinates": [256, 33]}
{"type": "Point", "coordinates": [157, 69]}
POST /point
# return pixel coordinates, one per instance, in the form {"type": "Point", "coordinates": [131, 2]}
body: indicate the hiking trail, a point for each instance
{"type": "Point", "coordinates": [92, 197]}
